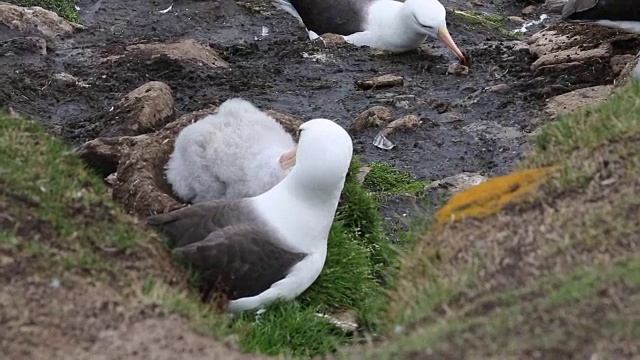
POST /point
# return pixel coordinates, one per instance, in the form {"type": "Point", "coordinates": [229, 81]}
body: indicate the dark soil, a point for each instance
{"type": "Point", "coordinates": [279, 71]}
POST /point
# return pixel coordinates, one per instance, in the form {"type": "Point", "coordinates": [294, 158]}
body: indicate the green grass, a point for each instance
{"type": "Point", "coordinates": [475, 19]}
{"type": "Point", "coordinates": [385, 179]}
{"type": "Point", "coordinates": [64, 8]}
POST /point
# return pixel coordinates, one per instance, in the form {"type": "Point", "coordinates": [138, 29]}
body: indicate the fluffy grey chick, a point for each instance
{"type": "Point", "coordinates": [235, 153]}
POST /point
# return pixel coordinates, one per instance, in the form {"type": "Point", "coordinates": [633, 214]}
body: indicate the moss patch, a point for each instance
{"type": "Point", "coordinates": [64, 8]}
{"type": "Point", "coordinates": [385, 179]}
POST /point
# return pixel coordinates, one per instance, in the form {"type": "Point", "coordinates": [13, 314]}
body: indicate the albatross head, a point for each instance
{"type": "Point", "coordinates": [430, 19]}
{"type": "Point", "coordinates": [323, 154]}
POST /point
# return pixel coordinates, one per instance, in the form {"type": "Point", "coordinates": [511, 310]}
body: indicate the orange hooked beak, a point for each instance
{"type": "Point", "coordinates": [446, 38]}
{"type": "Point", "coordinates": [288, 159]}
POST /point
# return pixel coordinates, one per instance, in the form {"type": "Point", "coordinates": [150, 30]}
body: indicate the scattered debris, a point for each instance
{"type": "Point", "coordinates": [387, 80]}
{"type": "Point", "coordinates": [458, 69]}
{"type": "Point", "coordinates": [404, 123]}
{"type": "Point", "coordinates": [381, 142]}
{"type": "Point", "coordinates": [525, 27]}
{"type": "Point", "coordinates": [345, 321]}
{"type": "Point", "coordinates": [500, 88]}
{"type": "Point", "coordinates": [166, 10]}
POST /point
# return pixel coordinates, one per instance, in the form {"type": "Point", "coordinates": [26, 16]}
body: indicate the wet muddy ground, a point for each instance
{"type": "Point", "coordinates": [465, 126]}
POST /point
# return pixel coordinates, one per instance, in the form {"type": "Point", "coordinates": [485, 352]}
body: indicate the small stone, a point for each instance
{"type": "Point", "coordinates": [458, 69]}
{"type": "Point", "coordinates": [373, 117]}
{"type": "Point", "coordinates": [516, 19]}
{"type": "Point", "coordinates": [145, 109]}
{"type": "Point", "coordinates": [456, 183]}
{"type": "Point", "coordinates": [619, 62]}
{"type": "Point", "coordinates": [529, 10]}
{"type": "Point", "coordinates": [387, 80]}
{"type": "Point", "coordinates": [408, 122]}
{"type": "Point", "coordinates": [450, 118]}
{"type": "Point", "coordinates": [500, 88]}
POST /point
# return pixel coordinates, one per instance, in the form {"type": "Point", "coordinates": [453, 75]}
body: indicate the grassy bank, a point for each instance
{"type": "Point", "coordinates": [554, 277]}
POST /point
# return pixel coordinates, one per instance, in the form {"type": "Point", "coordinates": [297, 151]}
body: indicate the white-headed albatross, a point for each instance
{"type": "Point", "coordinates": [235, 153]}
{"type": "Point", "coordinates": [383, 24]}
{"type": "Point", "coordinates": [621, 14]}
{"type": "Point", "coordinates": [256, 250]}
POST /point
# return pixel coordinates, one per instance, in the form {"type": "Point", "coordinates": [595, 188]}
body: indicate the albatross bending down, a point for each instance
{"type": "Point", "coordinates": [383, 24]}
{"type": "Point", "coordinates": [237, 152]}
{"type": "Point", "coordinates": [622, 14]}
{"type": "Point", "coordinates": [273, 246]}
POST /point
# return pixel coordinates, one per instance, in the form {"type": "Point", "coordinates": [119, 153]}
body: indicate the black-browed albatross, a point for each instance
{"type": "Point", "coordinates": [256, 250]}
{"type": "Point", "coordinates": [383, 24]}
{"type": "Point", "coordinates": [622, 14]}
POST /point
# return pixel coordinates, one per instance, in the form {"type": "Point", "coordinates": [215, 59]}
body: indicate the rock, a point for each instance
{"type": "Point", "coordinates": [328, 40]}
{"type": "Point", "coordinates": [547, 41]}
{"type": "Point", "coordinates": [529, 10]}
{"type": "Point", "coordinates": [574, 54]}
{"type": "Point", "coordinates": [383, 81]}
{"type": "Point", "coordinates": [619, 62]}
{"type": "Point", "coordinates": [408, 122]}
{"type": "Point", "coordinates": [554, 6]}
{"type": "Point", "coordinates": [631, 70]}
{"type": "Point", "coordinates": [36, 20]}
{"type": "Point", "coordinates": [440, 106]}
{"type": "Point", "coordinates": [145, 109]}
{"type": "Point", "coordinates": [516, 19]}
{"type": "Point", "coordinates": [69, 79]}
{"type": "Point", "coordinates": [138, 162]}
{"type": "Point", "coordinates": [450, 118]}
{"type": "Point", "coordinates": [373, 117]}
{"type": "Point", "coordinates": [103, 154]}
{"type": "Point", "coordinates": [566, 103]}
{"type": "Point", "coordinates": [457, 69]}
{"type": "Point", "coordinates": [22, 45]}
{"type": "Point", "coordinates": [190, 51]}
{"type": "Point", "coordinates": [438, 190]}
{"type": "Point", "coordinates": [500, 88]}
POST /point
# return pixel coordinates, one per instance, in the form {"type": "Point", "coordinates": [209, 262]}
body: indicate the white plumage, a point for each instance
{"type": "Point", "coordinates": [232, 154]}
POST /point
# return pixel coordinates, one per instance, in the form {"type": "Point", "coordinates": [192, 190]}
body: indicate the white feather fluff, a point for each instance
{"type": "Point", "coordinates": [231, 154]}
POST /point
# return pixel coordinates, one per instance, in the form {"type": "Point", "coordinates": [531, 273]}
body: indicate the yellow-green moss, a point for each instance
{"type": "Point", "coordinates": [493, 195]}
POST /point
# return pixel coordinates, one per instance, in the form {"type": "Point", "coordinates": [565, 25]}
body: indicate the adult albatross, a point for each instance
{"type": "Point", "coordinates": [383, 24]}
{"type": "Point", "coordinates": [256, 250]}
{"type": "Point", "coordinates": [621, 14]}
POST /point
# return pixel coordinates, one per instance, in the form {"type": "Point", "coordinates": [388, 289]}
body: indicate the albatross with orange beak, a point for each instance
{"type": "Point", "coordinates": [382, 24]}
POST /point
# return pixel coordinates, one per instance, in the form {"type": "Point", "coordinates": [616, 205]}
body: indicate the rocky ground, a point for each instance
{"type": "Point", "coordinates": [88, 83]}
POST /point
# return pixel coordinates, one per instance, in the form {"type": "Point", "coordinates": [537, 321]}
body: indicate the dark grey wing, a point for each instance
{"type": "Point", "coordinates": [238, 261]}
{"type": "Point", "coordinates": [194, 223]}
{"type": "Point", "coordinates": [593, 10]}
{"type": "Point", "coordinates": [343, 17]}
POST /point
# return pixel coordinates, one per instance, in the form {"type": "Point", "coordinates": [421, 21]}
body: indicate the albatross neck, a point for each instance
{"type": "Point", "coordinates": [301, 213]}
